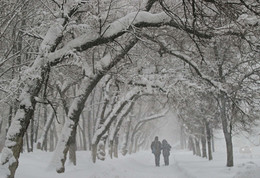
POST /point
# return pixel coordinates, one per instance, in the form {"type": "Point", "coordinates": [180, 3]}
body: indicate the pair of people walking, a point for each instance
{"type": "Point", "coordinates": [157, 147]}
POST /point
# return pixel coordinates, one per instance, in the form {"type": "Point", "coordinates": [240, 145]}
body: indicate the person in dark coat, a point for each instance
{"type": "Point", "coordinates": [156, 147]}
{"type": "Point", "coordinates": [166, 147]}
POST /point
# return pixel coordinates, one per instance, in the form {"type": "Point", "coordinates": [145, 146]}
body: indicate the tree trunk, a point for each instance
{"type": "Point", "coordinates": [55, 135]}
{"type": "Point", "coordinates": [197, 144]}
{"type": "Point", "coordinates": [131, 146]}
{"type": "Point", "coordinates": [227, 134]}
{"type": "Point", "coordinates": [126, 138]}
{"type": "Point", "coordinates": [111, 150]}
{"type": "Point", "coordinates": [230, 161]}
{"type": "Point", "coordinates": [32, 134]}
{"type": "Point", "coordinates": [116, 147]}
{"type": "Point", "coordinates": [136, 143]}
{"type": "Point", "coordinates": [101, 148]}
{"type": "Point", "coordinates": [192, 145]}
{"type": "Point", "coordinates": [10, 115]}
{"type": "Point", "coordinates": [37, 123]}
{"type": "Point", "coordinates": [27, 142]}
{"type": "Point", "coordinates": [182, 137]}
{"type": "Point", "coordinates": [208, 140]}
{"type": "Point", "coordinates": [80, 147]}
{"type": "Point", "coordinates": [141, 144]}
{"type": "Point", "coordinates": [72, 142]}
{"type": "Point", "coordinates": [72, 148]}
{"type": "Point", "coordinates": [1, 140]}
{"type": "Point", "coordinates": [89, 130]}
{"type": "Point", "coordinates": [101, 151]}
{"type": "Point", "coordinates": [93, 111]}
{"type": "Point", "coordinates": [203, 143]}
{"type": "Point", "coordinates": [51, 139]}
{"type": "Point", "coordinates": [1, 123]}
{"type": "Point", "coordinates": [84, 132]}
{"type": "Point", "coordinates": [94, 152]}
{"type": "Point", "coordinates": [212, 141]}
{"type": "Point", "coordinates": [97, 117]}
{"type": "Point", "coordinates": [44, 143]}
{"type": "Point", "coordinates": [43, 139]}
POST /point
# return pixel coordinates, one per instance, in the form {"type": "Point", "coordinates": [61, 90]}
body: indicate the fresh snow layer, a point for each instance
{"type": "Point", "coordinates": [246, 165]}
{"type": "Point", "coordinates": [141, 165]}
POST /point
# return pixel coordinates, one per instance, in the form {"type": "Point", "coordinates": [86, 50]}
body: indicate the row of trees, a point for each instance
{"type": "Point", "coordinates": [79, 71]}
{"type": "Point", "coordinates": [236, 108]}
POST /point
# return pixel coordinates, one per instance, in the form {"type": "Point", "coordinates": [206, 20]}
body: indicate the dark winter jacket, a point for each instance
{"type": "Point", "coordinates": [166, 147]}
{"type": "Point", "coordinates": [156, 147]}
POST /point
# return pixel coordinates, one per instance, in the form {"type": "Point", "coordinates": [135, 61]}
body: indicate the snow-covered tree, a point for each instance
{"type": "Point", "coordinates": [97, 38]}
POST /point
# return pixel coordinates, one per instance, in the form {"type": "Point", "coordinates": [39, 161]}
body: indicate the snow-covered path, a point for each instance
{"type": "Point", "coordinates": [139, 165]}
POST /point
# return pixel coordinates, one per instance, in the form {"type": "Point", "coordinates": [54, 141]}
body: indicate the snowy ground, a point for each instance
{"type": "Point", "coordinates": [246, 165]}
{"type": "Point", "coordinates": [141, 165]}
{"type": "Point", "coordinates": [131, 166]}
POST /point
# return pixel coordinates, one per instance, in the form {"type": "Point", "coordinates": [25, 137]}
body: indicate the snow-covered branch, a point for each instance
{"type": "Point", "coordinates": [187, 59]}
{"type": "Point", "coordinates": [151, 82]}
{"type": "Point", "coordinates": [33, 79]}
{"type": "Point", "coordinates": [77, 106]}
{"type": "Point", "coordinates": [115, 29]}
{"type": "Point", "coordinates": [116, 111]}
{"type": "Point", "coordinates": [120, 119]}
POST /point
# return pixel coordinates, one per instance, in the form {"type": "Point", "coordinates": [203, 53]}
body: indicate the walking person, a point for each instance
{"type": "Point", "coordinates": [166, 147]}
{"type": "Point", "coordinates": [156, 147]}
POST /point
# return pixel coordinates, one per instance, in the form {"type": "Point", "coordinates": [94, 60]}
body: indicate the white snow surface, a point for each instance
{"type": "Point", "coordinates": [141, 165]}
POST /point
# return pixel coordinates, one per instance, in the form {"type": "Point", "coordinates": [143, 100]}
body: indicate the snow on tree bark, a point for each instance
{"type": "Point", "coordinates": [14, 138]}
{"type": "Point", "coordinates": [39, 69]}
{"type": "Point", "coordinates": [140, 19]}
{"type": "Point", "coordinates": [77, 106]}
{"type": "Point", "coordinates": [113, 134]}
{"type": "Point", "coordinates": [33, 78]}
{"type": "Point", "coordinates": [101, 148]}
{"type": "Point", "coordinates": [115, 29]}
{"type": "Point", "coordinates": [126, 136]}
{"type": "Point", "coordinates": [117, 110]}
